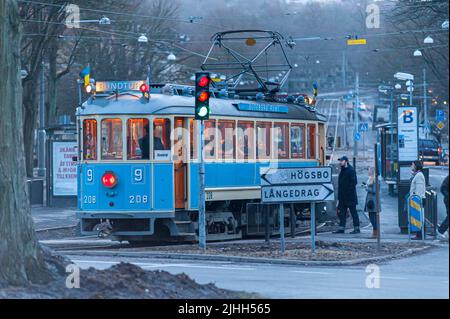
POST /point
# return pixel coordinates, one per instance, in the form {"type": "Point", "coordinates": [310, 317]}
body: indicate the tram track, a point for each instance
{"type": "Point", "coordinates": [84, 243]}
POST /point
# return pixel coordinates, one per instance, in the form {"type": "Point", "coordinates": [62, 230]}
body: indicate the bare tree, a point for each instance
{"type": "Point", "coordinates": [21, 259]}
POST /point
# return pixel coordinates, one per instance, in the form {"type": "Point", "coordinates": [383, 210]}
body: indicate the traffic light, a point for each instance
{"type": "Point", "coordinates": [145, 89]}
{"type": "Point", "coordinates": [202, 94]}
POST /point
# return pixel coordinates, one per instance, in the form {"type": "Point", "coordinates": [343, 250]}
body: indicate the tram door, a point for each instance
{"type": "Point", "coordinates": [322, 144]}
{"type": "Point", "coordinates": [180, 160]}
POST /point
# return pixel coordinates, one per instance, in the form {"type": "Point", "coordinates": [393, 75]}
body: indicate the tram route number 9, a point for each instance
{"type": "Point", "coordinates": [138, 199]}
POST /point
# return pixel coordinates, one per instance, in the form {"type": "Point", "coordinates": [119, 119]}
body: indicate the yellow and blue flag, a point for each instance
{"type": "Point", "coordinates": [85, 74]}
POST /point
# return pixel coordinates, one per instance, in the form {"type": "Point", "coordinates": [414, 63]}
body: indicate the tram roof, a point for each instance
{"type": "Point", "coordinates": [163, 104]}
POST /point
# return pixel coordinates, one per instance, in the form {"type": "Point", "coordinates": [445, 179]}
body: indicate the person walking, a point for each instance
{"type": "Point", "coordinates": [444, 190]}
{"type": "Point", "coordinates": [347, 198]}
{"type": "Point", "coordinates": [418, 186]}
{"type": "Point", "coordinates": [371, 199]}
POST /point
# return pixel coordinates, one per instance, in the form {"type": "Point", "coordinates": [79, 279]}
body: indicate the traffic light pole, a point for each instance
{"type": "Point", "coordinates": [201, 202]}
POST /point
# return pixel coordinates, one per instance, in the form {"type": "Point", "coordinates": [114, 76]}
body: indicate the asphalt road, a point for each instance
{"type": "Point", "coordinates": [421, 276]}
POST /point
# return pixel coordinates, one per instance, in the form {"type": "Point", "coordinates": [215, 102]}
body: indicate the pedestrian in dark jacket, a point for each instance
{"type": "Point", "coordinates": [444, 190]}
{"type": "Point", "coordinates": [347, 196]}
{"type": "Point", "coordinates": [371, 202]}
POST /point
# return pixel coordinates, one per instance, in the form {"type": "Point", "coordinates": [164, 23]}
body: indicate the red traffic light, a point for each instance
{"type": "Point", "coordinates": [203, 96]}
{"type": "Point", "coordinates": [203, 81]}
{"type": "Point", "coordinates": [109, 179]}
{"type": "Point", "coordinates": [144, 88]}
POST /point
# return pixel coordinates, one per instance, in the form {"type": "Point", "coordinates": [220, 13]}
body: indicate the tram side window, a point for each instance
{"type": "Point", "coordinates": [210, 139]}
{"type": "Point", "coordinates": [193, 138]}
{"type": "Point", "coordinates": [281, 140]}
{"type": "Point", "coordinates": [297, 141]}
{"type": "Point", "coordinates": [263, 139]}
{"type": "Point", "coordinates": [137, 139]}
{"type": "Point", "coordinates": [311, 141]}
{"type": "Point", "coordinates": [90, 139]}
{"type": "Point", "coordinates": [245, 135]}
{"type": "Point", "coordinates": [112, 139]}
{"type": "Point", "coordinates": [161, 139]}
{"type": "Point", "coordinates": [226, 138]}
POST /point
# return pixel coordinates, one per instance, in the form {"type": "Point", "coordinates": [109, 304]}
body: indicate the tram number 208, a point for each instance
{"type": "Point", "coordinates": [138, 199]}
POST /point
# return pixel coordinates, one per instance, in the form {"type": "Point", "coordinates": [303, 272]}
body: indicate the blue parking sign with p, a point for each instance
{"type": "Point", "coordinates": [440, 115]}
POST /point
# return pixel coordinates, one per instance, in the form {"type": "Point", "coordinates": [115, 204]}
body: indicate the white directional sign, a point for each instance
{"type": "Point", "coordinates": [290, 176]}
{"type": "Point", "coordinates": [300, 184]}
{"type": "Point", "coordinates": [297, 193]}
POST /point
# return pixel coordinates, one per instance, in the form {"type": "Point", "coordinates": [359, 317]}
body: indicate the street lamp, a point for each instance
{"type": "Point", "coordinates": [417, 53]}
{"type": "Point", "coordinates": [409, 78]}
{"type": "Point", "coordinates": [428, 40]}
{"type": "Point", "coordinates": [171, 57]}
{"type": "Point", "coordinates": [142, 39]}
{"type": "Point", "coordinates": [104, 20]}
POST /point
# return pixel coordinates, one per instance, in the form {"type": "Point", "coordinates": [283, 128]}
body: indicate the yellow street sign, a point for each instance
{"type": "Point", "coordinates": [356, 41]}
{"type": "Point", "coordinates": [440, 125]}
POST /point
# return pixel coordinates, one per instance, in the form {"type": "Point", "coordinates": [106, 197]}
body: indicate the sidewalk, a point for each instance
{"type": "Point", "coordinates": [53, 217]}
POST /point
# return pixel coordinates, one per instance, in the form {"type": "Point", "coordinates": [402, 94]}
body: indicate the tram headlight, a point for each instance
{"type": "Point", "coordinates": [109, 179]}
{"type": "Point", "coordinates": [90, 88]}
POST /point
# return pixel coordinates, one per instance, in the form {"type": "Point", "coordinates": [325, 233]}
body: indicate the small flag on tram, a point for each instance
{"type": "Point", "coordinates": [85, 74]}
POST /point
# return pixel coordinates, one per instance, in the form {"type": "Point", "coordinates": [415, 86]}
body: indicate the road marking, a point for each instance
{"type": "Point", "coordinates": [162, 265]}
{"type": "Point", "coordinates": [394, 278]}
{"type": "Point", "coordinates": [313, 272]}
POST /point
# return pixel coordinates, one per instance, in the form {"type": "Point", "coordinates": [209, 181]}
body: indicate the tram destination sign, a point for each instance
{"type": "Point", "coordinates": [294, 176]}
{"type": "Point", "coordinates": [297, 193]}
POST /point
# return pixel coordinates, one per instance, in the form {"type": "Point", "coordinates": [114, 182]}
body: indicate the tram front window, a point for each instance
{"type": "Point", "coordinates": [90, 140]}
{"type": "Point", "coordinates": [112, 139]}
{"type": "Point", "coordinates": [161, 139]}
{"type": "Point", "coordinates": [137, 139]}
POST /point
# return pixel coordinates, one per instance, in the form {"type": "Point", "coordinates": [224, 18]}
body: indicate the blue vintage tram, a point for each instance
{"type": "Point", "coordinates": [138, 161]}
{"type": "Point", "coordinates": [139, 155]}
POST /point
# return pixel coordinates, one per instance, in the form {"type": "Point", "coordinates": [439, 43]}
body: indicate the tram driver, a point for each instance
{"type": "Point", "coordinates": [144, 141]}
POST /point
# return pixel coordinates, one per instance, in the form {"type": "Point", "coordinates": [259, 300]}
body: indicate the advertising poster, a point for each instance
{"type": "Point", "coordinates": [64, 169]}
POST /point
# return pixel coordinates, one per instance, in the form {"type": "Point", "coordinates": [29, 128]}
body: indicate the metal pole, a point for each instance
{"type": "Point", "coordinates": [266, 209]}
{"type": "Point", "coordinates": [377, 197]}
{"type": "Point", "coordinates": [355, 117]}
{"type": "Point", "coordinates": [313, 228]}
{"type": "Point", "coordinates": [283, 245]}
{"type": "Point", "coordinates": [344, 84]}
{"type": "Point", "coordinates": [425, 106]}
{"type": "Point", "coordinates": [41, 131]}
{"type": "Point", "coordinates": [293, 220]}
{"type": "Point", "coordinates": [409, 218]}
{"type": "Point", "coordinates": [411, 93]}
{"type": "Point", "coordinates": [201, 203]}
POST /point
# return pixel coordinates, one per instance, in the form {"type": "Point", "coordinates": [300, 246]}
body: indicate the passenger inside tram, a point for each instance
{"type": "Point", "coordinates": [143, 143]}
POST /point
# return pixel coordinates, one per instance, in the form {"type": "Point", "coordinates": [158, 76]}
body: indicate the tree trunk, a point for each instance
{"type": "Point", "coordinates": [30, 109]}
{"type": "Point", "coordinates": [52, 108]}
{"type": "Point", "coordinates": [21, 258]}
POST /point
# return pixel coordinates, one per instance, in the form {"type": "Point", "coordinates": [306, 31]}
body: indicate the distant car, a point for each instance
{"type": "Point", "coordinates": [430, 151]}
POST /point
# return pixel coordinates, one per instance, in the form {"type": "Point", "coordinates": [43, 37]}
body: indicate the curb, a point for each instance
{"type": "Point", "coordinates": [55, 228]}
{"type": "Point", "coordinates": [258, 260]}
